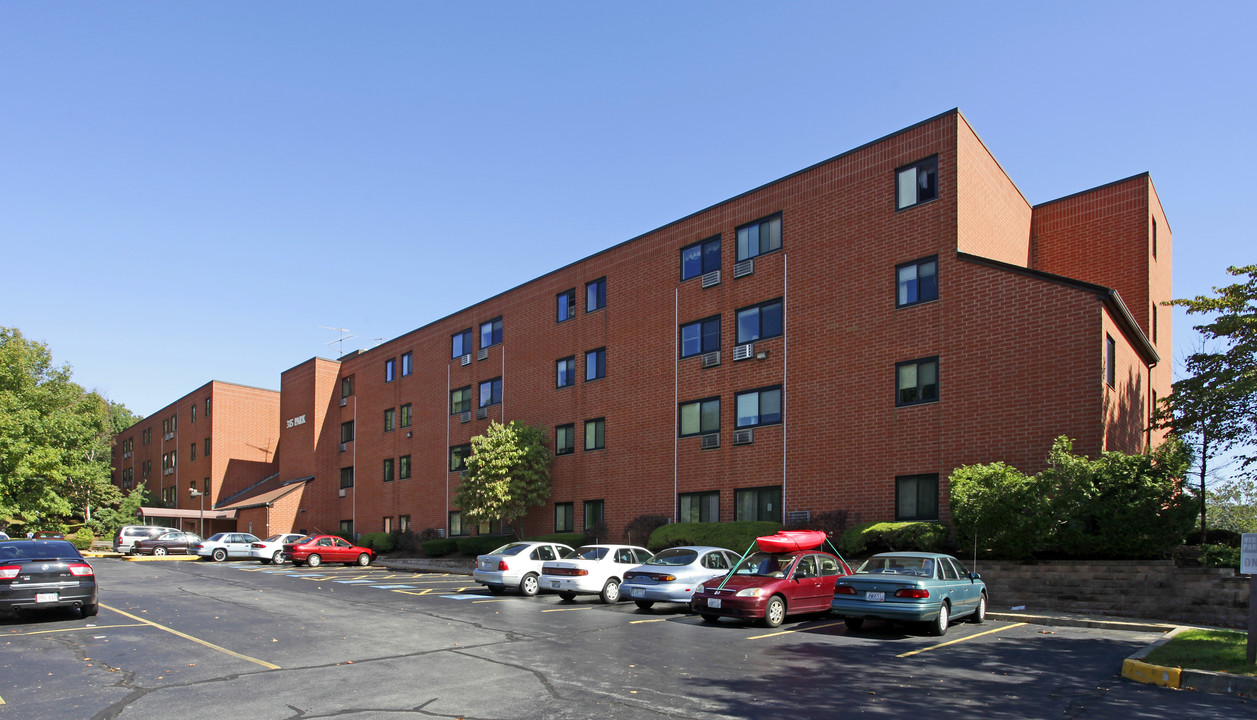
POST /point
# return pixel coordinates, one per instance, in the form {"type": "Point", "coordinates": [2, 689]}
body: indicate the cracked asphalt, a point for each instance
{"type": "Point", "coordinates": [241, 640]}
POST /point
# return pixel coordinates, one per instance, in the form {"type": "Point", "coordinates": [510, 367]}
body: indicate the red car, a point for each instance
{"type": "Point", "coordinates": [767, 586]}
{"type": "Point", "coordinates": [314, 550]}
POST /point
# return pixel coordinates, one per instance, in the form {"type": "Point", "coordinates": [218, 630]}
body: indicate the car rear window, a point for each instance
{"type": "Point", "coordinates": [674, 556]}
{"type": "Point", "coordinates": [513, 549]}
{"type": "Point", "coordinates": [38, 550]}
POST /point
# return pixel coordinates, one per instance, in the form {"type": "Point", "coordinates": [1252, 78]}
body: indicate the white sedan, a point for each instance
{"type": "Point", "coordinates": [224, 545]}
{"type": "Point", "coordinates": [271, 549]}
{"type": "Point", "coordinates": [516, 565]}
{"type": "Point", "coordinates": [593, 570]}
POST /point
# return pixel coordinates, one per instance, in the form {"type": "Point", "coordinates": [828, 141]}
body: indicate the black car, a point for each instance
{"type": "Point", "coordinates": [40, 574]}
{"type": "Point", "coordinates": [171, 543]}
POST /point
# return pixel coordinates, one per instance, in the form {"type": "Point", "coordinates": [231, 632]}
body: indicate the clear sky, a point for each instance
{"type": "Point", "coordinates": [188, 191]}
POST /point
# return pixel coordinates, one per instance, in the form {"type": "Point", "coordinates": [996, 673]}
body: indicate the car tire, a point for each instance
{"type": "Point", "coordinates": [278, 557]}
{"type": "Point", "coordinates": [529, 586]}
{"type": "Point", "coordinates": [363, 559]}
{"type": "Point", "coordinates": [610, 592]}
{"type": "Point", "coordinates": [709, 618]}
{"type": "Point", "coordinates": [496, 589]}
{"type": "Point", "coordinates": [774, 611]}
{"type": "Point", "coordinates": [220, 555]}
{"type": "Point", "coordinates": [314, 561]}
{"type": "Point", "coordinates": [979, 613]}
{"type": "Point", "coordinates": [159, 551]}
{"type": "Point", "coordinates": [567, 595]}
{"type": "Point", "coordinates": [89, 610]}
{"type": "Point", "coordinates": [644, 604]}
{"type": "Point", "coordinates": [938, 626]}
{"type": "Point", "coordinates": [853, 623]}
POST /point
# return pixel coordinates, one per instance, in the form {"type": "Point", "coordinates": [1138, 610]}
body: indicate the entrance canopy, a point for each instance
{"type": "Point", "coordinates": [152, 512]}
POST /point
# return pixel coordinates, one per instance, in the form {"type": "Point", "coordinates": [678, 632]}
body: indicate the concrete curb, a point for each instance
{"type": "Point", "coordinates": [1134, 668]}
{"type": "Point", "coordinates": [159, 558]}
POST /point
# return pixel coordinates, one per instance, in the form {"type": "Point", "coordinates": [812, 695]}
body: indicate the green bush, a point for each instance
{"type": "Point", "coordinates": [405, 541]}
{"type": "Point", "coordinates": [83, 539]}
{"type": "Point", "coordinates": [735, 536]}
{"type": "Point", "coordinates": [482, 544]}
{"type": "Point", "coordinates": [1220, 556]}
{"type": "Point", "coordinates": [381, 542]}
{"type": "Point", "coordinates": [1005, 510]}
{"type": "Point", "coordinates": [440, 547]}
{"type": "Point", "coordinates": [871, 538]}
{"type": "Point", "coordinates": [570, 539]}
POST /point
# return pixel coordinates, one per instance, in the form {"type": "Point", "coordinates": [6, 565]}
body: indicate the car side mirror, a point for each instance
{"type": "Point", "coordinates": [802, 575]}
{"type": "Point", "coordinates": [974, 576]}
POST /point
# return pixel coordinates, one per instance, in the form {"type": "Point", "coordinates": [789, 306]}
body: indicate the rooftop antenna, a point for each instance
{"type": "Point", "coordinates": [340, 341]}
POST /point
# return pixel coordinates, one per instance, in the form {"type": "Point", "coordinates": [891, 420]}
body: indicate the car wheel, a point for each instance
{"type": "Point", "coordinates": [159, 551]}
{"type": "Point", "coordinates": [496, 589]}
{"type": "Point", "coordinates": [644, 604]}
{"type": "Point", "coordinates": [979, 614]}
{"type": "Point", "coordinates": [278, 557]}
{"type": "Point", "coordinates": [89, 610]}
{"type": "Point", "coordinates": [567, 595]}
{"type": "Point", "coordinates": [774, 612]}
{"type": "Point", "coordinates": [364, 559]}
{"type": "Point", "coordinates": [529, 585]}
{"type": "Point", "coordinates": [854, 623]}
{"type": "Point", "coordinates": [938, 627]}
{"type": "Point", "coordinates": [610, 592]}
{"type": "Point", "coordinates": [709, 618]}
{"type": "Point", "coordinates": [220, 555]}
{"type": "Point", "coordinates": [314, 560]}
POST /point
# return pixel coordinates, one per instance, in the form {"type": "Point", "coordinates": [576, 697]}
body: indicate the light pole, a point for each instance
{"type": "Point", "coordinates": [195, 494]}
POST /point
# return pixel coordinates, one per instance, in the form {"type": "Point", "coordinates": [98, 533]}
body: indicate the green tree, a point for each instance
{"type": "Point", "coordinates": [507, 472]}
{"type": "Point", "coordinates": [107, 519]}
{"type": "Point", "coordinates": [1234, 505]}
{"type": "Point", "coordinates": [999, 509]}
{"type": "Point", "coordinates": [55, 438]}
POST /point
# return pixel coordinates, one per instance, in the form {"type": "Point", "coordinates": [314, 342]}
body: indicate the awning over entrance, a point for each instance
{"type": "Point", "coordinates": [151, 512]}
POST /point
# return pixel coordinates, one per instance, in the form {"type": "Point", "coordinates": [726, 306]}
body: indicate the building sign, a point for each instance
{"type": "Point", "coordinates": [301, 420]}
{"type": "Point", "coordinates": [1248, 554]}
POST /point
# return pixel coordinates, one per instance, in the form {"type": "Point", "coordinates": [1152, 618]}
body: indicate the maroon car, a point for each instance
{"type": "Point", "coordinates": [171, 543]}
{"type": "Point", "coordinates": [767, 586]}
{"type": "Point", "coordinates": [318, 549]}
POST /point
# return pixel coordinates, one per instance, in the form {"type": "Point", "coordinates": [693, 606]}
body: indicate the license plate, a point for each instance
{"type": "Point", "coordinates": [713, 602]}
{"type": "Point", "coordinates": [554, 584]}
{"type": "Point", "coordinates": [45, 597]}
{"type": "Point", "coordinates": [638, 592]}
{"type": "Point", "coordinates": [875, 596]}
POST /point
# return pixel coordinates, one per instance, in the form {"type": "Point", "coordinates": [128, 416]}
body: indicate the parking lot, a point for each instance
{"type": "Point", "coordinates": [240, 639]}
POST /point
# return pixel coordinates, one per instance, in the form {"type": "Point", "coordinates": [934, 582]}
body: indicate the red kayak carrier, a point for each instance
{"type": "Point", "coordinates": [791, 541]}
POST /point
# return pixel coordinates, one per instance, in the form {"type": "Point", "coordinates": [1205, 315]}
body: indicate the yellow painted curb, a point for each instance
{"type": "Point", "coordinates": [1151, 674]}
{"type": "Point", "coordinates": [159, 558]}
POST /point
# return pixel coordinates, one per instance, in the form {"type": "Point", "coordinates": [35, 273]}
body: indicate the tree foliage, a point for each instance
{"type": "Point", "coordinates": [1233, 505]}
{"type": "Point", "coordinates": [507, 472]}
{"type": "Point", "coordinates": [1001, 508]}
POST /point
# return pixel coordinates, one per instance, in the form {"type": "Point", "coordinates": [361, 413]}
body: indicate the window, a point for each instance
{"type": "Point", "coordinates": [595, 364]}
{"type": "Point", "coordinates": [388, 469]}
{"type": "Point", "coordinates": [460, 400]}
{"type": "Point", "coordinates": [403, 522]}
{"type": "Point", "coordinates": [388, 420]}
{"type": "Point", "coordinates": [346, 528]}
{"type": "Point", "coordinates": [759, 237]}
{"type": "Point", "coordinates": [346, 477]}
{"type": "Point", "coordinates": [916, 183]}
{"type": "Point", "coordinates": [700, 417]}
{"type": "Point", "coordinates": [700, 507]}
{"type": "Point", "coordinates": [918, 282]}
{"type": "Point", "coordinates": [347, 386]}
{"type": "Point", "coordinates": [595, 295]}
{"type": "Point", "coordinates": [456, 523]}
{"type": "Point", "coordinates": [595, 434]}
{"type": "Point", "coordinates": [387, 524]}
{"type": "Point", "coordinates": [593, 513]}
{"type": "Point", "coordinates": [207, 486]}
{"type": "Point", "coordinates": [408, 363]}
{"type": "Point", "coordinates": [403, 467]}
{"type": "Point", "coordinates": [347, 431]}
{"type": "Point", "coordinates": [174, 462]}
{"type": "Point", "coordinates": [207, 448]}
{"type": "Point", "coordinates": [192, 457]}
{"type": "Point", "coordinates": [565, 439]}
{"type": "Point", "coordinates": [917, 381]}
{"type": "Point", "coordinates": [490, 392]}
{"type": "Point", "coordinates": [406, 416]}
{"type": "Point", "coordinates": [565, 372]}
{"type": "Point", "coordinates": [207, 407]}
{"type": "Point", "coordinates": [762, 503]}
{"type": "Point", "coordinates": [460, 343]}
{"type": "Point", "coordinates": [700, 336]}
{"type": "Point", "coordinates": [174, 423]}
{"type": "Point", "coordinates": [458, 457]}
{"type": "Point", "coordinates": [193, 413]}
{"type": "Point", "coordinates": [390, 370]}
{"type": "Point", "coordinates": [916, 497]}
{"type": "Point", "coordinates": [491, 332]}
{"type": "Point", "coordinates": [1110, 361]}
{"type": "Point", "coordinates": [1154, 237]}
{"type": "Point", "coordinates": [759, 322]}
{"type": "Point", "coordinates": [700, 258]}
{"type": "Point", "coordinates": [566, 302]}
{"type": "Point", "coordinates": [759, 407]}
{"type": "Point", "coordinates": [563, 517]}
{"type": "Point", "coordinates": [1154, 323]}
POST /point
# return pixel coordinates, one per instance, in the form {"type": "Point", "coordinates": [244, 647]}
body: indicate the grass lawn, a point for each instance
{"type": "Point", "coordinates": [1216, 650]}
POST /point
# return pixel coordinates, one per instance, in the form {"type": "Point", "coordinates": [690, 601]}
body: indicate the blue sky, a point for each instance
{"type": "Point", "coordinates": [188, 191]}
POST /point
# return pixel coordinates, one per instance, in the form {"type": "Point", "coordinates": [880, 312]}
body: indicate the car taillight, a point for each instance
{"type": "Point", "coordinates": [844, 590]}
{"type": "Point", "coordinates": [666, 578]}
{"type": "Point", "coordinates": [257, 545]}
{"type": "Point", "coordinates": [198, 546]}
{"type": "Point", "coordinates": [81, 570]}
{"type": "Point", "coordinates": [502, 565]}
{"type": "Point", "coordinates": [8, 572]}
{"type": "Point", "coordinates": [912, 593]}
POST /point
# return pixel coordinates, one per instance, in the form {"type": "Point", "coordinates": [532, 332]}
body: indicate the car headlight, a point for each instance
{"type": "Point", "coordinates": [749, 592]}
{"type": "Point", "coordinates": [700, 589]}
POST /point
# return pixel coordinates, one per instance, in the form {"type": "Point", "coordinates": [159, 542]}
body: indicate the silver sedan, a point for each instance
{"type": "Point", "coordinates": [672, 575]}
{"type": "Point", "coordinates": [516, 565]}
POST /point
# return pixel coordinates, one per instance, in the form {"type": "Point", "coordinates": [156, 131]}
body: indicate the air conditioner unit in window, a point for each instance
{"type": "Point", "coordinates": [482, 413]}
{"type": "Point", "coordinates": [344, 401]}
{"type": "Point", "coordinates": [745, 436]}
{"type": "Point", "coordinates": [466, 359]}
{"type": "Point", "coordinates": [342, 447]}
{"type": "Point", "coordinates": [465, 417]}
{"type": "Point", "coordinates": [440, 532]}
{"type": "Point", "coordinates": [712, 278]}
{"type": "Point", "coordinates": [746, 267]}
{"type": "Point", "coordinates": [798, 517]}
{"type": "Point", "coordinates": [482, 354]}
{"type": "Point", "coordinates": [710, 441]}
{"type": "Point", "coordinates": [342, 492]}
{"type": "Point", "coordinates": [711, 359]}
{"type": "Point", "coordinates": [744, 352]}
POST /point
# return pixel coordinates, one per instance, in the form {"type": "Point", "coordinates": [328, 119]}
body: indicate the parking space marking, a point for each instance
{"type": "Point", "coordinates": [393, 587]}
{"type": "Point", "coordinates": [795, 630]}
{"type": "Point", "coordinates": [960, 640]}
{"type": "Point", "coordinates": [89, 627]}
{"type": "Point", "coordinates": [477, 602]}
{"type": "Point", "coordinates": [421, 592]}
{"type": "Point", "coordinates": [352, 582]}
{"type": "Point", "coordinates": [185, 636]}
{"type": "Point", "coordinates": [587, 607]}
{"type": "Point", "coordinates": [639, 622]}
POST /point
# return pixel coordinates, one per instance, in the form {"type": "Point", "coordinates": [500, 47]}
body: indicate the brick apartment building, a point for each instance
{"type": "Point", "coordinates": [838, 339]}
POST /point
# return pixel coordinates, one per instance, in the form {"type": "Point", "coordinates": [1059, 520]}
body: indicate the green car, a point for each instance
{"type": "Point", "coordinates": [910, 587]}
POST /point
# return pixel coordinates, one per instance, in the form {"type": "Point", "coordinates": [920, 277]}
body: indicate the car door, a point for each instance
{"type": "Point", "coordinates": [343, 549]}
{"type": "Point", "coordinates": [237, 545]}
{"type": "Point", "coordinates": [951, 587]}
{"type": "Point", "coordinates": [966, 589]}
{"type": "Point", "coordinates": [830, 570]}
{"type": "Point", "coordinates": [807, 586]}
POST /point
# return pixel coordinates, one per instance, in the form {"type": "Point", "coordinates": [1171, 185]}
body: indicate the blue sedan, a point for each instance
{"type": "Point", "coordinates": [911, 587]}
{"type": "Point", "coordinates": [672, 575]}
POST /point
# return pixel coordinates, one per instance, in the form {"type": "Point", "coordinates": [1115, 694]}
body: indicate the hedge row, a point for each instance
{"type": "Point", "coordinates": [736, 536]}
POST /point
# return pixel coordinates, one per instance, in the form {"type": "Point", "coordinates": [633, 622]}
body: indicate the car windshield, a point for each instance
{"type": "Point", "coordinates": [511, 549]}
{"type": "Point", "coordinates": [766, 564]}
{"type": "Point", "coordinates": [674, 556]}
{"type": "Point", "coordinates": [897, 565]}
{"type": "Point", "coordinates": [591, 553]}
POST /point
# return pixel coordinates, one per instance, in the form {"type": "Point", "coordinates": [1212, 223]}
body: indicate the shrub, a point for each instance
{"type": "Point", "coordinates": [381, 542]}
{"type": "Point", "coordinates": [482, 544]}
{"type": "Point", "coordinates": [1005, 510]}
{"type": "Point", "coordinates": [638, 530]}
{"type": "Point", "coordinates": [872, 538]}
{"type": "Point", "coordinates": [1220, 556]}
{"type": "Point", "coordinates": [1214, 536]}
{"type": "Point", "coordinates": [735, 536]}
{"type": "Point", "coordinates": [596, 534]}
{"type": "Point", "coordinates": [572, 539]}
{"type": "Point", "coordinates": [440, 547]}
{"type": "Point", "coordinates": [83, 539]}
{"type": "Point", "coordinates": [405, 541]}
{"type": "Point", "coordinates": [833, 523]}
{"type": "Point", "coordinates": [430, 534]}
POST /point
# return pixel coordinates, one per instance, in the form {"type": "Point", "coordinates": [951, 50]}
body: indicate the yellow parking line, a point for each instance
{"type": "Point", "coordinates": [787, 632]}
{"type": "Point", "coordinates": [199, 641]}
{"type": "Point", "coordinates": [587, 607]}
{"type": "Point", "coordinates": [959, 640]}
{"type": "Point", "coordinates": [638, 622]}
{"type": "Point", "coordinates": [421, 592]}
{"type": "Point", "coordinates": [93, 627]}
{"type": "Point", "coordinates": [477, 602]}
